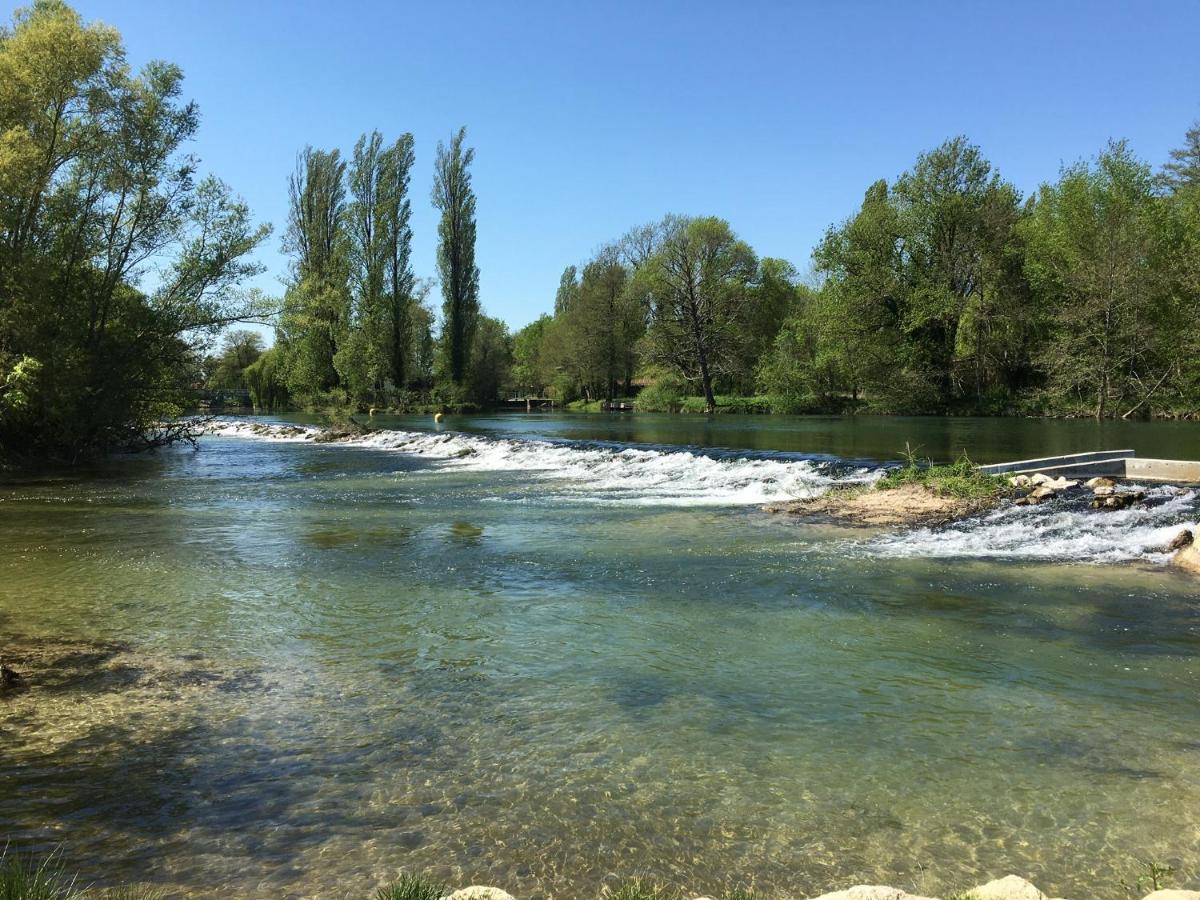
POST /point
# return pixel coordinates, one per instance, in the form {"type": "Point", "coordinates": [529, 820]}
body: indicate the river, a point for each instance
{"type": "Point", "coordinates": [550, 652]}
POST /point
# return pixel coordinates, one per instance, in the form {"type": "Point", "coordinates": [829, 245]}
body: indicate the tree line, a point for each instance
{"type": "Point", "coordinates": [947, 292]}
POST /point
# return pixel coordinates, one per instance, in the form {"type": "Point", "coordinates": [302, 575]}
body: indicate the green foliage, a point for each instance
{"type": "Point", "coordinates": [454, 197]}
{"type": "Point", "coordinates": [959, 479]}
{"type": "Point", "coordinates": [94, 184]}
{"type": "Point", "coordinates": [642, 889]}
{"type": "Point", "coordinates": [411, 887]}
{"type": "Point", "coordinates": [1154, 876]}
{"type": "Point", "coordinates": [665, 393]}
{"type": "Point", "coordinates": [30, 879]}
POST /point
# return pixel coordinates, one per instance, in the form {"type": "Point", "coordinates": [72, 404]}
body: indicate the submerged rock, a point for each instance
{"type": "Point", "coordinates": [480, 892]}
{"type": "Point", "coordinates": [871, 892]}
{"type": "Point", "coordinates": [9, 678]}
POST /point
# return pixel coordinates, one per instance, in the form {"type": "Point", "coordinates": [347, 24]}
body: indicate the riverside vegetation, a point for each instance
{"type": "Point", "coordinates": [948, 291]}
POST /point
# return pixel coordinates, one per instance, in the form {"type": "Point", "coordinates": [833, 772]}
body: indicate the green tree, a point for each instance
{"type": "Point", "coordinates": [94, 189]}
{"type": "Point", "coordinates": [531, 370]}
{"type": "Point", "coordinates": [491, 361]}
{"type": "Point", "coordinates": [317, 306]}
{"type": "Point", "coordinates": [240, 348]}
{"type": "Point", "coordinates": [1184, 168]}
{"type": "Point", "coordinates": [1095, 252]}
{"type": "Point", "coordinates": [454, 197]}
{"type": "Point", "coordinates": [699, 285]}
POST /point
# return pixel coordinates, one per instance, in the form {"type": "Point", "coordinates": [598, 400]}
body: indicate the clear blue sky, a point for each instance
{"type": "Point", "coordinates": [588, 118]}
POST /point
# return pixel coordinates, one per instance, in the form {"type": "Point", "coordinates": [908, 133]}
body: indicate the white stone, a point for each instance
{"type": "Point", "coordinates": [1008, 888]}
{"type": "Point", "coordinates": [1188, 559]}
{"type": "Point", "coordinates": [480, 892]}
{"type": "Point", "coordinates": [871, 892]}
{"type": "Point", "coordinates": [1173, 895]}
{"type": "Point", "coordinates": [1039, 478]}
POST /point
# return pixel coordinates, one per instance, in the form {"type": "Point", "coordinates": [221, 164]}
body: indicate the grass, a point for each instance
{"type": "Point", "coordinates": [959, 479]}
{"type": "Point", "coordinates": [412, 887]}
{"type": "Point", "coordinates": [26, 879]}
{"type": "Point", "coordinates": [642, 889]}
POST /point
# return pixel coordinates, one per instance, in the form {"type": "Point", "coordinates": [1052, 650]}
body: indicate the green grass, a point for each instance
{"type": "Point", "coordinates": [28, 879]}
{"type": "Point", "coordinates": [642, 889]}
{"type": "Point", "coordinates": [959, 479]}
{"type": "Point", "coordinates": [411, 887]}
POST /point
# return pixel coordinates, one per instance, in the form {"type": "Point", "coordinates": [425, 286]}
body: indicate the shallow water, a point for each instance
{"type": "Point", "coordinates": [552, 652]}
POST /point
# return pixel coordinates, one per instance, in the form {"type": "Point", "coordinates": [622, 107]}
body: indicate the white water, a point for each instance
{"type": "Point", "coordinates": [581, 473]}
{"type": "Point", "coordinates": [1058, 531]}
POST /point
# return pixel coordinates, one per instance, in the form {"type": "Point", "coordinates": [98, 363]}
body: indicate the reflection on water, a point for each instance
{"type": "Point", "coordinates": [272, 669]}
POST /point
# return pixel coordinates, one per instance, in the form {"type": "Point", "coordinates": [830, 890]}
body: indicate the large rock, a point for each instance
{"type": "Point", "coordinates": [1009, 887]}
{"type": "Point", "coordinates": [1173, 895]}
{"type": "Point", "coordinates": [871, 892]}
{"type": "Point", "coordinates": [1188, 559]}
{"type": "Point", "coordinates": [480, 892]}
{"type": "Point", "coordinates": [1185, 538]}
{"type": "Point", "coordinates": [1100, 482]}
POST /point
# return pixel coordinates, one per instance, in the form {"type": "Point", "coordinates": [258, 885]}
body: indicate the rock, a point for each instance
{"type": "Point", "coordinates": [1019, 481]}
{"type": "Point", "coordinates": [1039, 478]}
{"type": "Point", "coordinates": [1118, 501]}
{"type": "Point", "coordinates": [9, 678]}
{"type": "Point", "coordinates": [1037, 495]}
{"type": "Point", "coordinates": [1184, 539]}
{"type": "Point", "coordinates": [480, 892]}
{"type": "Point", "coordinates": [871, 892]}
{"type": "Point", "coordinates": [1188, 559]}
{"type": "Point", "coordinates": [1008, 888]}
{"type": "Point", "coordinates": [1100, 481]}
{"type": "Point", "coordinates": [1173, 895]}
{"type": "Point", "coordinates": [1101, 490]}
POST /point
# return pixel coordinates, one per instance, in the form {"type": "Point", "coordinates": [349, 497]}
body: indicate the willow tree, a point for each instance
{"type": "Point", "coordinates": [453, 195]}
{"type": "Point", "coordinates": [699, 289]}
{"type": "Point", "coordinates": [95, 189]}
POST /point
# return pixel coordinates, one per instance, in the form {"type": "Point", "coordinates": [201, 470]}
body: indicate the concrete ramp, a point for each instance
{"type": "Point", "coordinates": [1072, 465]}
{"type": "Point", "coordinates": [1115, 463]}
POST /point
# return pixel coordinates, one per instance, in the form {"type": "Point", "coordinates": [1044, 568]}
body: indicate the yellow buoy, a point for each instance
{"type": "Point", "coordinates": [437, 417]}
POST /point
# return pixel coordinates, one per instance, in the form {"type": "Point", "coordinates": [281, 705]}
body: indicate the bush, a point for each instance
{"type": "Point", "coordinates": [665, 394]}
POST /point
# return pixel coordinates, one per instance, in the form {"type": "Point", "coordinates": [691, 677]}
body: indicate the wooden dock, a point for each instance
{"type": "Point", "coordinates": [1114, 463]}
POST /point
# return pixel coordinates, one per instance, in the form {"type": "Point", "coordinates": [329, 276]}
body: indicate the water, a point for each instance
{"type": "Point", "coordinates": [553, 652]}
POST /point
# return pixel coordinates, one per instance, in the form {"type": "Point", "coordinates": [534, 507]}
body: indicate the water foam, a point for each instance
{"type": "Point", "coordinates": [598, 474]}
{"type": "Point", "coordinates": [1067, 531]}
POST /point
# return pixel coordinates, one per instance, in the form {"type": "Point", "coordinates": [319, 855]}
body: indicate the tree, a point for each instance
{"type": "Point", "coordinates": [491, 361]}
{"type": "Point", "coordinates": [317, 308]}
{"type": "Point", "coordinates": [1095, 251]}
{"type": "Point", "coordinates": [240, 349]}
{"type": "Point", "coordinates": [699, 286]}
{"type": "Point", "coordinates": [94, 189]}
{"type": "Point", "coordinates": [1184, 168]}
{"type": "Point", "coordinates": [396, 172]}
{"type": "Point", "coordinates": [531, 370]}
{"type": "Point", "coordinates": [453, 196]}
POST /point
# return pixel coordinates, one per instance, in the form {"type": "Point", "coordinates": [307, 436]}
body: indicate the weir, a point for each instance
{"type": "Point", "coordinates": [1116, 463]}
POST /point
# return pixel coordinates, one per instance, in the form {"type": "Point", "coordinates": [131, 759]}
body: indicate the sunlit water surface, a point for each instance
{"type": "Point", "coordinates": [553, 652]}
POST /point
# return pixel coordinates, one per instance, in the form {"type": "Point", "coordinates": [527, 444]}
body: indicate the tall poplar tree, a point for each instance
{"type": "Point", "coordinates": [452, 194]}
